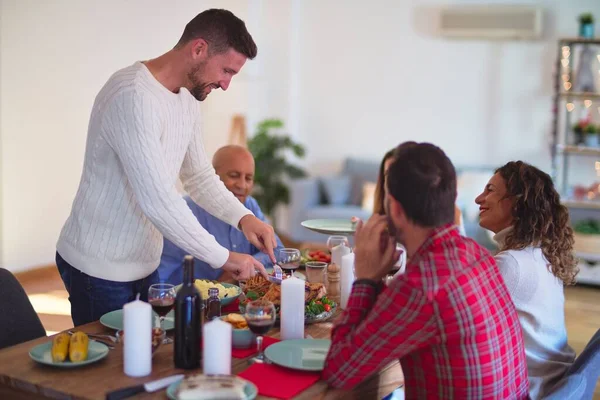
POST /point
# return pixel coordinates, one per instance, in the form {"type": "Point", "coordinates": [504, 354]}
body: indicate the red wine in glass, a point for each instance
{"type": "Point", "coordinates": [162, 306]}
{"type": "Point", "coordinates": [289, 259]}
{"type": "Point", "coordinates": [260, 326]}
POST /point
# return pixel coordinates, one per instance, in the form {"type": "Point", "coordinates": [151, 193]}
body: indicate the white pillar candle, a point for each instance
{"type": "Point", "coordinates": [216, 352]}
{"type": "Point", "coordinates": [137, 346]}
{"type": "Point", "coordinates": [338, 252]}
{"type": "Point", "coordinates": [346, 278]}
{"type": "Point", "coordinates": [292, 309]}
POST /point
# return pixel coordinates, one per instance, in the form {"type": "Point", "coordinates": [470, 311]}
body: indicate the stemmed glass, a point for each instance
{"type": "Point", "coordinates": [289, 259]}
{"type": "Point", "coordinates": [260, 316]}
{"type": "Point", "coordinates": [161, 297]}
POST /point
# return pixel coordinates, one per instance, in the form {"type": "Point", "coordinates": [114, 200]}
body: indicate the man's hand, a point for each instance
{"type": "Point", "coordinates": [261, 235]}
{"type": "Point", "coordinates": [375, 252]}
{"type": "Point", "coordinates": [243, 266]}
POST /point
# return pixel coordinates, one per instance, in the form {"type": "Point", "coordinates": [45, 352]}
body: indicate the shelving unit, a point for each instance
{"type": "Point", "coordinates": [562, 150]}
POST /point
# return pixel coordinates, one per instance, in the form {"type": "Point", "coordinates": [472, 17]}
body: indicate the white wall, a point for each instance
{"type": "Point", "coordinates": [374, 74]}
{"type": "Point", "coordinates": [351, 78]}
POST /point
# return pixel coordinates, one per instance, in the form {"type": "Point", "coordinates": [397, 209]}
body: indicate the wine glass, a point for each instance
{"type": "Point", "coordinates": [260, 316]}
{"type": "Point", "coordinates": [161, 297]}
{"type": "Point", "coordinates": [289, 259]}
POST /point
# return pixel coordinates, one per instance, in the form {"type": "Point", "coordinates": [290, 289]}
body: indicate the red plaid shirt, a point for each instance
{"type": "Point", "coordinates": [449, 320]}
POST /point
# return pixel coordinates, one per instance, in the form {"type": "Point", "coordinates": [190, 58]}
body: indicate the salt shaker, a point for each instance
{"type": "Point", "coordinates": [333, 280]}
{"type": "Point", "coordinates": [213, 305]}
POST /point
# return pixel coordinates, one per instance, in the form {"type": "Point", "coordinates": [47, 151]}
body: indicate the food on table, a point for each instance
{"type": "Point", "coordinates": [204, 284]}
{"type": "Point", "coordinates": [215, 387]}
{"type": "Point", "coordinates": [316, 255]}
{"type": "Point", "coordinates": [236, 320]}
{"type": "Point", "coordinates": [318, 306]}
{"type": "Point", "coordinates": [78, 347]}
{"type": "Point", "coordinates": [258, 287]}
{"type": "Point", "coordinates": [60, 347]}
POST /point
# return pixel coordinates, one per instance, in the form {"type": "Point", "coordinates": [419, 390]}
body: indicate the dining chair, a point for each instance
{"type": "Point", "coordinates": [581, 378]}
{"type": "Point", "coordinates": [19, 321]}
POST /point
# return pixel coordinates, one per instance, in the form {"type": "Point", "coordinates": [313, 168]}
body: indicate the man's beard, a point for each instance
{"type": "Point", "coordinates": [197, 87]}
{"type": "Point", "coordinates": [393, 230]}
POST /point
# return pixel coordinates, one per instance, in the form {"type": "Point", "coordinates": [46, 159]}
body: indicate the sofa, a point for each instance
{"type": "Point", "coordinates": [349, 193]}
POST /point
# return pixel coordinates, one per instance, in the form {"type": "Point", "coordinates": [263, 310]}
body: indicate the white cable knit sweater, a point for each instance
{"type": "Point", "coordinates": [141, 138]}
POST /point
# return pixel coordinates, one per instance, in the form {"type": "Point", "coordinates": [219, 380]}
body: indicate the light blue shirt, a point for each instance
{"type": "Point", "coordinates": [170, 269]}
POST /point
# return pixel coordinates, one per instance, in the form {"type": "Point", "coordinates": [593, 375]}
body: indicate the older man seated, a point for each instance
{"type": "Point", "coordinates": [449, 318]}
{"type": "Point", "coordinates": [235, 167]}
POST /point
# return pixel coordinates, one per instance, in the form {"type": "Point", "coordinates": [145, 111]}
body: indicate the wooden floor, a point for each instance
{"type": "Point", "coordinates": [50, 300]}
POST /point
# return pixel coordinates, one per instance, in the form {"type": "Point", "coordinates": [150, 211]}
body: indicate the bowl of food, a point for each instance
{"type": "Point", "coordinates": [158, 336]}
{"type": "Point", "coordinates": [241, 336]}
{"type": "Point", "coordinates": [227, 291]}
{"type": "Point", "coordinates": [315, 255]}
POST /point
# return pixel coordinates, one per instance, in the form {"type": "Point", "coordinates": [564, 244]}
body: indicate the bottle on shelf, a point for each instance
{"type": "Point", "coordinates": [188, 320]}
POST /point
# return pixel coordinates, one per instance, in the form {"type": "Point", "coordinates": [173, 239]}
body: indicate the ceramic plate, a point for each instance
{"type": "Point", "coordinates": [250, 389]}
{"type": "Point", "coordinates": [42, 354]}
{"type": "Point", "coordinates": [114, 320]}
{"type": "Point", "coordinates": [225, 300]}
{"type": "Point", "coordinates": [302, 354]}
{"type": "Point", "coordinates": [330, 226]}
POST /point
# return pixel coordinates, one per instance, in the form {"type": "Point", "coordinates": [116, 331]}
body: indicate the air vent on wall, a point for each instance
{"type": "Point", "coordinates": [491, 22]}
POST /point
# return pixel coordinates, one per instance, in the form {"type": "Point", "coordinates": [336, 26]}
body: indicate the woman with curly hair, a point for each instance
{"type": "Point", "coordinates": [522, 207]}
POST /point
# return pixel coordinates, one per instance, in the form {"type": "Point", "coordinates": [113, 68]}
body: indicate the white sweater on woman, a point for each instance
{"type": "Point", "coordinates": [141, 139]}
{"type": "Point", "coordinates": [539, 298]}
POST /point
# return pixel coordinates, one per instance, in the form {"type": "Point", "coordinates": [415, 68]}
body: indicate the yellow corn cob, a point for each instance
{"type": "Point", "coordinates": [60, 347]}
{"type": "Point", "coordinates": [78, 348]}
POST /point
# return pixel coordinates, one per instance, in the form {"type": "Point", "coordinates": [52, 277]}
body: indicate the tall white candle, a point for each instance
{"type": "Point", "coordinates": [216, 352]}
{"type": "Point", "coordinates": [346, 278]}
{"type": "Point", "coordinates": [137, 346]}
{"type": "Point", "coordinates": [338, 252]}
{"type": "Point", "coordinates": [292, 309]}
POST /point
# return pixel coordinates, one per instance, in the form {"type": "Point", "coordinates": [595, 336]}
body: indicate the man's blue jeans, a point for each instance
{"type": "Point", "coordinates": [93, 297]}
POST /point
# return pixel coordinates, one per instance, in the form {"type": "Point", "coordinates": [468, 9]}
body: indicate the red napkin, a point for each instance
{"type": "Point", "coordinates": [231, 308]}
{"type": "Point", "coordinates": [282, 383]}
{"type": "Point", "coordinates": [243, 353]}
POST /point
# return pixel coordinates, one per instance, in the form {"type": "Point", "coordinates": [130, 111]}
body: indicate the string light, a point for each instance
{"type": "Point", "coordinates": [565, 77]}
{"type": "Point", "coordinates": [587, 103]}
{"type": "Point", "coordinates": [567, 85]}
{"type": "Point", "coordinates": [570, 107]}
{"type": "Point", "coordinates": [565, 62]}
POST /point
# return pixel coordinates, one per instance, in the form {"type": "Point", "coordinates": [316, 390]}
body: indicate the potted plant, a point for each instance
{"type": "Point", "coordinates": [272, 167]}
{"type": "Point", "coordinates": [591, 135]}
{"type": "Point", "coordinates": [578, 130]}
{"type": "Point", "coordinates": [586, 26]}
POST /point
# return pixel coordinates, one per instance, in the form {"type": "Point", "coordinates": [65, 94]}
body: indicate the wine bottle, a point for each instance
{"type": "Point", "coordinates": [188, 320]}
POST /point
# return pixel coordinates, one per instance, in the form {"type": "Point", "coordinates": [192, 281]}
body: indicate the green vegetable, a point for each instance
{"type": "Point", "coordinates": [252, 295]}
{"type": "Point", "coordinates": [313, 308]}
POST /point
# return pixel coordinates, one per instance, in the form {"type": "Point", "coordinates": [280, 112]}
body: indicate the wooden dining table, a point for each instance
{"type": "Point", "coordinates": [23, 378]}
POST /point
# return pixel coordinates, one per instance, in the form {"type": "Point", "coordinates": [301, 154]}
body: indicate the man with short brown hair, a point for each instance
{"type": "Point", "coordinates": [449, 318]}
{"type": "Point", "coordinates": [144, 134]}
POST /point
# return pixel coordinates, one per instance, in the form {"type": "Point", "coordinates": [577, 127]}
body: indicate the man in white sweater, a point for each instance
{"type": "Point", "coordinates": [144, 134]}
